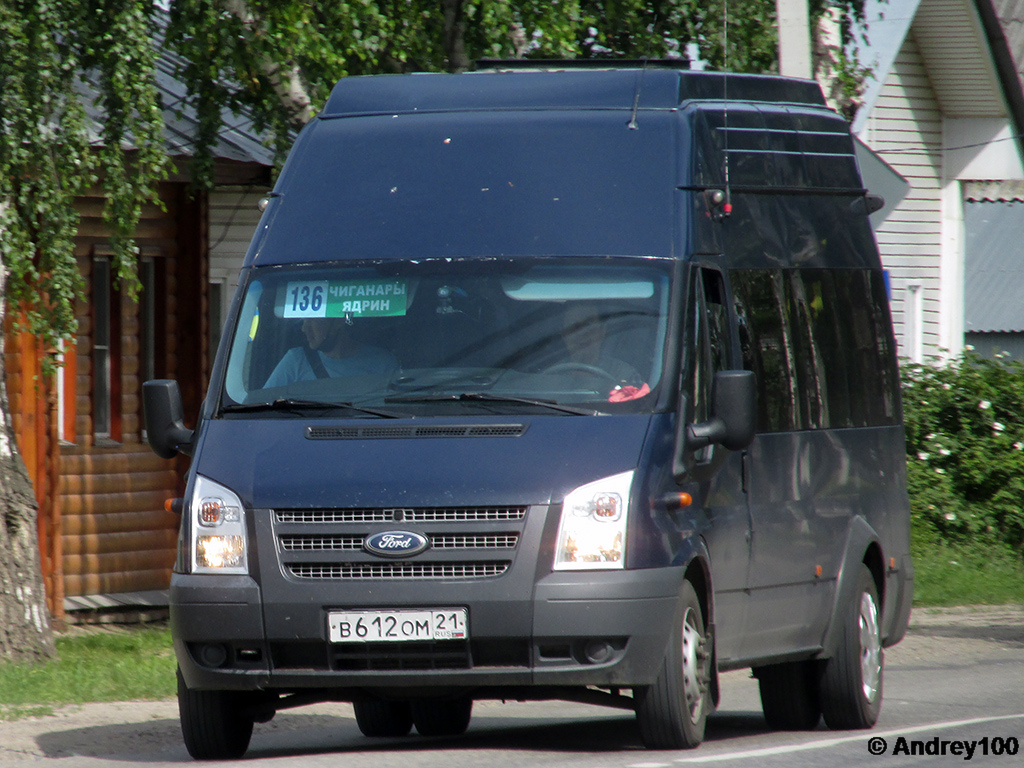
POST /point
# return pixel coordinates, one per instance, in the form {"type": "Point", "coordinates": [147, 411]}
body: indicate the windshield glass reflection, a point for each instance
{"type": "Point", "coordinates": [439, 336]}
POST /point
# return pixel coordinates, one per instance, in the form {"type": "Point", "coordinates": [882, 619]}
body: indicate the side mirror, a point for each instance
{"type": "Point", "coordinates": [734, 413]}
{"type": "Point", "coordinates": [165, 419]}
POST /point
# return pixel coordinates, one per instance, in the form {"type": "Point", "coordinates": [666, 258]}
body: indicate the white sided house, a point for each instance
{"type": "Point", "coordinates": [945, 110]}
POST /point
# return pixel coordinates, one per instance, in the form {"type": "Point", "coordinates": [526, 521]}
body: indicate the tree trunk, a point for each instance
{"type": "Point", "coordinates": [286, 81]}
{"type": "Point", "coordinates": [25, 633]}
{"type": "Point", "coordinates": [455, 35]}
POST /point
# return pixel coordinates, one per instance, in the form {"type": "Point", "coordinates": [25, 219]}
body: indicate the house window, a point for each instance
{"type": "Point", "coordinates": [914, 323]}
{"type": "Point", "coordinates": [106, 337]}
{"type": "Point", "coordinates": [217, 307]}
{"type": "Point", "coordinates": [66, 381]}
{"type": "Point", "coordinates": [147, 319]}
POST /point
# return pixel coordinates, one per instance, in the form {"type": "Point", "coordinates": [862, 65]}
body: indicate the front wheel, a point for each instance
{"type": "Point", "coordinates": [851, 685]}
{"type": "Point", "coordinates": [672, 713]}
{"type": "Point", "coordinates": [216, 725]}
{"type": "Point", "coordinates": [442, 717]}
{"type": "Point", "coordinates": [789, 695]}
{"type": "Point", "coordinates": [381, 718]}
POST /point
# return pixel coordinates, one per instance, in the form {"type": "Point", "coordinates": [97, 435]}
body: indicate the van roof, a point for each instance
{"type": "Point", "coordinates": [562, 85]}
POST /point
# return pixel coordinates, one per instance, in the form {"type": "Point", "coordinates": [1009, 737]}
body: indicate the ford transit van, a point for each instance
{"type": "Point", "coordinates": [570, 384]}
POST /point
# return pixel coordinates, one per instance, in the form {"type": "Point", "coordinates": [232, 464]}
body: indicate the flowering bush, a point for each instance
{"type": "Point", "coordinates": [965, 448]}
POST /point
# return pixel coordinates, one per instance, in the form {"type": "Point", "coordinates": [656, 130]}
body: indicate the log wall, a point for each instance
{"type": "Point", "coordinates": [103, 528]}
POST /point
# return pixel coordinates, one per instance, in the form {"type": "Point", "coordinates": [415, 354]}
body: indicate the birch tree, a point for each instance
{"type": "Point", "coordinates": [50, 151]}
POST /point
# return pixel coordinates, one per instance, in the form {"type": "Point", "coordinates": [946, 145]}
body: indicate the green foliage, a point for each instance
{"type": "Point", "coordinates": [979, 572]}
{"type": "Point", "coordinates": [965, 448]}
{"type": "Point", "coordinates": [50, 151]}
{"type": "Point", "coordinates": [261, 53]}
{"type": "Point", "coordinates": [98, 664]}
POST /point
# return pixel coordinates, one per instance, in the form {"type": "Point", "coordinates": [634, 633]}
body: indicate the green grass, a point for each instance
{"type": "Point", "coordinates": [977, 573]}
{"type": "Point", "coordinates": [95, 664]}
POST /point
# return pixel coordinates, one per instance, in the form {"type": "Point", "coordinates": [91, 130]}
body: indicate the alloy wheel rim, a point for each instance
{"type": "Point", "coordinates": [870, 647]}
{"type": "Point", "coordinates": [693, 673]}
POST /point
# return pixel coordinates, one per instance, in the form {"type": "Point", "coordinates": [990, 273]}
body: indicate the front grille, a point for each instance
{"type": "Point", "coordinates": [322, 516]}
{"type": "Point", "coordinates": [464, 543]}
{"type": "Point", "coordinates": [351, 543]}
{"type": "Point", "coordinates": [398, 515]}
{"type": "Point", "coordinates": [431, 515]}
{"type": "Point", "coordinates": [474, 542]}
{"type": "Point", "coordinates": [391, 571]}
{"type": "Point", "coordinates": [320, 543]}
{"type": "Point", "coordinates": [446, 654]}
{"type": "Point", "coordinates": [449, 654]}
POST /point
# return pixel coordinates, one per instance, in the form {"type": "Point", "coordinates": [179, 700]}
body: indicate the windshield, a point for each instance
{"type": "Point", "coordinates": [443, 336]}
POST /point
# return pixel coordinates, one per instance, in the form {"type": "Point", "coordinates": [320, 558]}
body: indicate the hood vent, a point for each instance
{"type": "Point", "coordinates": [406, 432]}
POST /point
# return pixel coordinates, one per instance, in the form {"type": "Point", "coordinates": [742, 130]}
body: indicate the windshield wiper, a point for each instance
{"type": "Point", "coordinates": [292, 404]}
{"type": "Point", "coordinates": [487, 397]}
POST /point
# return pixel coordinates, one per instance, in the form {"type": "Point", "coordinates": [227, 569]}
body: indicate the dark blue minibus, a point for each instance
{"type": "Point", "coordinates": [548, 383]}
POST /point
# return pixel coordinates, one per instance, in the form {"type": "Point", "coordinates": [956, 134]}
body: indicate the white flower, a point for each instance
{"type": "Point", "coordinates": [1019, 445]}
{"type": "Point", "coordinates": [951, 516]}
{"type": "Point", "coordinates": [940, 471]}
{"type": "Point", "coordinates": [984, 405]}
{"type": "Point", "coordinates": [923, 456]}
{"type": "Point", "coordinates": [998, 427]}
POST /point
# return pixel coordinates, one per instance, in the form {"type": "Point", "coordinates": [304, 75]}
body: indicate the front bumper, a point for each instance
{"type": "Point", "coordinates": [607, 628]}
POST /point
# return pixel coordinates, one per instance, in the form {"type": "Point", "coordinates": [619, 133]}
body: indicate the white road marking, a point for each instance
{"type": "Point", "coordinates": [825, 743]}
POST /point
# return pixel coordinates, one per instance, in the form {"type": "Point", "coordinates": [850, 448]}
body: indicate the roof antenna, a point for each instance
{"type": "Point", "coordinates": [632, 124]}
{"type": "Point", "coordinates": [727, 206]}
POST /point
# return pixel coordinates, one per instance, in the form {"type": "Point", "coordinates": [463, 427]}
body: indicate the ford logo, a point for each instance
{"type": "Point", "coordinates": [395, 544]}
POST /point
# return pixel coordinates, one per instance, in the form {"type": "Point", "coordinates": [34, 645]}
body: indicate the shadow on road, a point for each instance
{"type": "Point", "coordinates": [295, 734]}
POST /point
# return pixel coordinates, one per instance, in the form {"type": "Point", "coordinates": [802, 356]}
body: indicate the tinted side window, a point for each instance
{"type": "Point", "coordinates": [763, 313]}
{"type": "Point", "coordinates": [820, 342]}
{"type": "Point", "coordinates": [866, 333]}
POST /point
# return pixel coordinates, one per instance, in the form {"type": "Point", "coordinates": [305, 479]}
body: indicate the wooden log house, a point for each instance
{"type": "Point", "coordinates": [105, 537]}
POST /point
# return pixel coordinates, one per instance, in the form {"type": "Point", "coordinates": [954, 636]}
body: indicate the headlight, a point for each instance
{"type": "Point", "coordinates": [218, 529]}
{"type": "Point", "coordinates": [592, 532]}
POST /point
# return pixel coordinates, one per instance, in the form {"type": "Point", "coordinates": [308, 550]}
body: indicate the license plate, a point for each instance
{"type": "Point", "coordinates": [397, 626]}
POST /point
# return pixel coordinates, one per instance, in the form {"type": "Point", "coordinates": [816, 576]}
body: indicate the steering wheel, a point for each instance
{"type": "Point", "coordinates": [571, 367]}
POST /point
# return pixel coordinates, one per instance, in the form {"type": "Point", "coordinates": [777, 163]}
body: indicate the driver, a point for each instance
{"type": "Point", "coordinates": [583, 333]}
{"type": "Point", "coordinates": [331, 352]}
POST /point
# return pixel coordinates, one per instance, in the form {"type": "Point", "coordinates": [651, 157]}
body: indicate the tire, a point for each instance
{"type": "Point", "coordinates": [851, 684]}
{"type": "Point", "coordinates": [442, 717]}
{"type": "Point", "coordinates": [672, 713]}
{"type": "Point", "coordinates": [216, 725]}
{"type": "Point", "coordinates": [789, 695]}
{"type": "Point", "coordinates": [380, 718]}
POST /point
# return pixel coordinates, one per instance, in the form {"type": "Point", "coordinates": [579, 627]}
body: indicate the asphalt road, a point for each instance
{"type": "Point", "coordinates": [954, 694]}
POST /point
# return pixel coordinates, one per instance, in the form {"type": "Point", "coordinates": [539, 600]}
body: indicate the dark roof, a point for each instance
{"type": "Point", "coordinates": [237, 140]}
{"type": "Point", "coordinates": [562, 86]}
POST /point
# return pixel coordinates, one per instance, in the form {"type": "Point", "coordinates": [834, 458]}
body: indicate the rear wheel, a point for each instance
{"type": "Point", "coordinates": [377, 717]}
{"type": "Point", "coordinates": [789, 695]}
{"type": "Point", "coordinates": [851, 686]}
{"type": "Point", "coordinates": [672, 713]}
{"type": "Point", "coordinates": [216, 725]}
{"type": "Point", "coordinates": [442, 717]}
